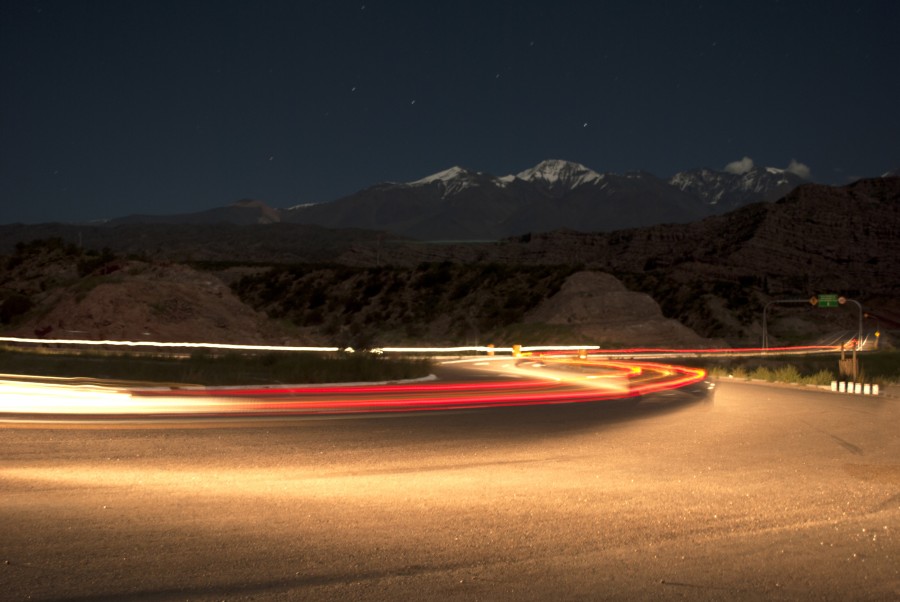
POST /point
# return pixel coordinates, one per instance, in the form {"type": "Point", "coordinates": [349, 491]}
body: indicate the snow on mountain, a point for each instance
{"type": "Point", "coordinates": [454, 180]}
{"type": "Point", "coordinates": [726, 189]}
{"type": "Point", "coordinates": [557, 173]}
{"type": "Point", "coordinates": [553, 174]}
{"type": "Point", "coordinates": [710, 185]}
{"type": "Point", "coordinates": [453, 173]}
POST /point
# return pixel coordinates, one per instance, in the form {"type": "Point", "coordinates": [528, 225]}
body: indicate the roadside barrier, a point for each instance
{"type": "Point", "coordinates": [854, 388]}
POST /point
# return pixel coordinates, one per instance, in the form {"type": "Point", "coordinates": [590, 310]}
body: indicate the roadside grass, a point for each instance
{"type": "Point", "coordinates": [214, 369]}
{"type": "Point", "coordinates": [224, 369]}
{"type": "Point", "coordinates": [880, 367]}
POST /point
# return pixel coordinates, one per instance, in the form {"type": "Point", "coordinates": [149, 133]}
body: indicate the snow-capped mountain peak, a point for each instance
{"type": "Point", "coordinates": [453, 180]}
{"type": "Point", "coordinates": [556, 172]}
{"type": "Point", "coordinates": [735, 189]}
{"type": "Point", "coordinates": [445, 176]}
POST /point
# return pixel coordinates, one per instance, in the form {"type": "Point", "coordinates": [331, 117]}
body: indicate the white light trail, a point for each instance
{"type": "Point", "coordinates": [472, 349]}
{"type": "Point", "coordinates": [171, 345]}
{"type": "Point", "coordinates": [458, 350]}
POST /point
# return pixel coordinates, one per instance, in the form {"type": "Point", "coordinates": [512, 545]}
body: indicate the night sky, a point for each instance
{"type": "Point", "coordinates": [118, 107]}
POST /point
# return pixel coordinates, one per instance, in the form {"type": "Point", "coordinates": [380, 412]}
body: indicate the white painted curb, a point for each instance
{"type": "Point", "coordinates": [854, 388]}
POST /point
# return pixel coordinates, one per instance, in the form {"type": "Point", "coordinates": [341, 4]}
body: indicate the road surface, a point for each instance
{"type": "Point", "coordinates": [767, 493]}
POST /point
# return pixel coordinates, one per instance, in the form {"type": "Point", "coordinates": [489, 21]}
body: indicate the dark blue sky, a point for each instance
{"type": "Point", "coordinates": [117, 107]}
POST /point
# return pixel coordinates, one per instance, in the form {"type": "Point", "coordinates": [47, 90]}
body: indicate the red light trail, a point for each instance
{"type": "Point", "coordinates": [525, 382]}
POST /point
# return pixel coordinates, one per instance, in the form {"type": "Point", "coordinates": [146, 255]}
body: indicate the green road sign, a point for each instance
{"type": "Point", "coordinates": [830, 300]}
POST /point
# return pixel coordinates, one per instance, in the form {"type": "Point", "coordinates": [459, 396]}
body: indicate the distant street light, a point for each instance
{"type": "Point", "coordinates": [869, 316]}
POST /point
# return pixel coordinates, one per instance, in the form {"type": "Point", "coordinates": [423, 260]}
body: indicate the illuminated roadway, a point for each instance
{"type": "Point", "coordinates": [766, 493]}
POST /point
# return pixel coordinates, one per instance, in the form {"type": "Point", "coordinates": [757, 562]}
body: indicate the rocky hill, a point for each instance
{"type": "Point", "coordinates": [53, 290]}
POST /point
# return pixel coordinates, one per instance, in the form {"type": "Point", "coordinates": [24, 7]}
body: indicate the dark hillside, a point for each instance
{"type": "Point", "coordinates": [433, 302]}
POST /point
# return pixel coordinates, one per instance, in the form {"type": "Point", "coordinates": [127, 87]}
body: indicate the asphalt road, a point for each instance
{"type": "Point", "coordinates": [767, 493]}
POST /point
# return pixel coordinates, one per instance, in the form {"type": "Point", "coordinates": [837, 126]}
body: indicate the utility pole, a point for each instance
{"type": "Point", "coordinates": [842, 301]}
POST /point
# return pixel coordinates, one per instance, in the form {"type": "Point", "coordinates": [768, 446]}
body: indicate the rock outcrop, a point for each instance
{"type": "Point", "coordinates": [600, 308]}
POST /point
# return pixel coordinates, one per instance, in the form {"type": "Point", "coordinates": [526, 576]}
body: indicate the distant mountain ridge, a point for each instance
{"type": "Point", "coordinates": [726, 191]}
{"type": "Point", "coordinates": [462, 204]}
{"type": "Point", "coordinates": [241, 213]}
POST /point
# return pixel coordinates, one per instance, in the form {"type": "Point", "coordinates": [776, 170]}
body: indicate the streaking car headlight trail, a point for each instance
{"type": "Point", "coordinates": [515, 382]}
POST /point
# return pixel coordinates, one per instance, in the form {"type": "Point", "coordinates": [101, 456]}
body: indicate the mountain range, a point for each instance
{"type": "Point", "coordinates": [461, 204]}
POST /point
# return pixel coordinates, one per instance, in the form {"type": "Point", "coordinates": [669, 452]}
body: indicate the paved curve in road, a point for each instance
{"type": "Point", "coordinates": [765, 493]}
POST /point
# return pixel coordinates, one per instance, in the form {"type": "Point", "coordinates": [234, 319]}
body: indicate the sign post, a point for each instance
{"type": "Point", "coordinates": [829, 300]}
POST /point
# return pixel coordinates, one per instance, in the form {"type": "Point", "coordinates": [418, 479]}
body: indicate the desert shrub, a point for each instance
{"type": "Point", "coordinates": [372, 287]}
{"type": "Point", "coordinates": [93, 261]}
{"type": "Point", "coordinates": [14, 306]}
{"type": "Point", "coordinates": [820, 378]}
{"type": "Point", "coordinates": [332, 326]}
{"type": "Point", "coordinates": [313, 317]}
{"type": "Point", "coordinates": [460, 290]}
{"type": "Point", "coordinates": [763, 373]}
{"type": "Point", "coordinates": [399, 299]}
{"type": "Point", "coordinates": [786, 374]}
{"type": "Point", "coordinates": [740, 372]}
{"type": "Point", "coordinates": [434, 276]}
{"type": "Point", "coordinates": [317, 298]}
{"type": "Point", "coordinates": [353, 306]}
